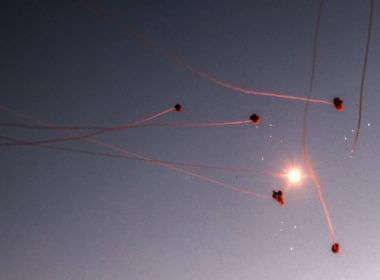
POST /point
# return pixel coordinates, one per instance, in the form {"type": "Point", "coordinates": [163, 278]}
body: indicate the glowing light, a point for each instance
{"type": "Point", "coordinates": [294, 175]}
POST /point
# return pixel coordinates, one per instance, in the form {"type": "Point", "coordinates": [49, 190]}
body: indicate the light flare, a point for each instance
{"type": "Point", "coordinates": [294, 175]}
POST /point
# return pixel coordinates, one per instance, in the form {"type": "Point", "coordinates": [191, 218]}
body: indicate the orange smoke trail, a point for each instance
{"type": "Point", "coordinates": [175, 163]}
{"type": "Point", "coordinates": [154, 44]}
{"type": "Point", "coordinates": [195, 124]}
{"type": "Point", "coordinates": [98, 132]}
{"type": "Point", "coordinates": [221, 83]}
{"type": "Point", "coordinates": [46, 127]}
{"type": "Point", "coordinates": [137, 124]}
{"type": "Point", "coordinates": [324, 206]}
{"type": "Point", "coordinates": [166, 165]}
{"type": "Point", "coordinates": [181, 170]}
{"type": "Point", "coordinates": [304, 138]}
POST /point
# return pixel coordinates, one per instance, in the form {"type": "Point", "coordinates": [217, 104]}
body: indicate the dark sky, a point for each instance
{"type": "Point", "coordinates": [70, 216]}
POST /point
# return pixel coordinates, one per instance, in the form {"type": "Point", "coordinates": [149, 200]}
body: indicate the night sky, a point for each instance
{"type": "Point", "coordinates": [71, 215]}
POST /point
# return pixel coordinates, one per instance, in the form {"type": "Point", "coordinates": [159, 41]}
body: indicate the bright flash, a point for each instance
{"type": "Point", "coordinates": [294, 175]}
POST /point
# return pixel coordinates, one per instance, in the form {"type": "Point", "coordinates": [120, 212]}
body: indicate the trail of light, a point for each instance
{"type": "Point", "coordinates": [219, 183]}
{"type": "Point", "coordinates": [322, 200]}
{"type": "Point", "coordinates": [103, 130]}
{"type": "Point", "coordinates": [144, 38]}
{"type": "Point", "coordinates": [175, 163]}
{"type": "Point", "coordinates": [181, 170]}
{"type": "Point", "coordinates": [304, 138]}
{"type": "Point", "coordinates": [359, 124]}
{"type": "Point", "coordinates": [196, 124]}
{"type": "Point", "coordinates": [46, 127]}
{"type": "Point", "coordinates": [172, 167]}
{"type": "Point", "coordinates": [223, 83]}
{"type": "Point", "coordinates": [98, 132]}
